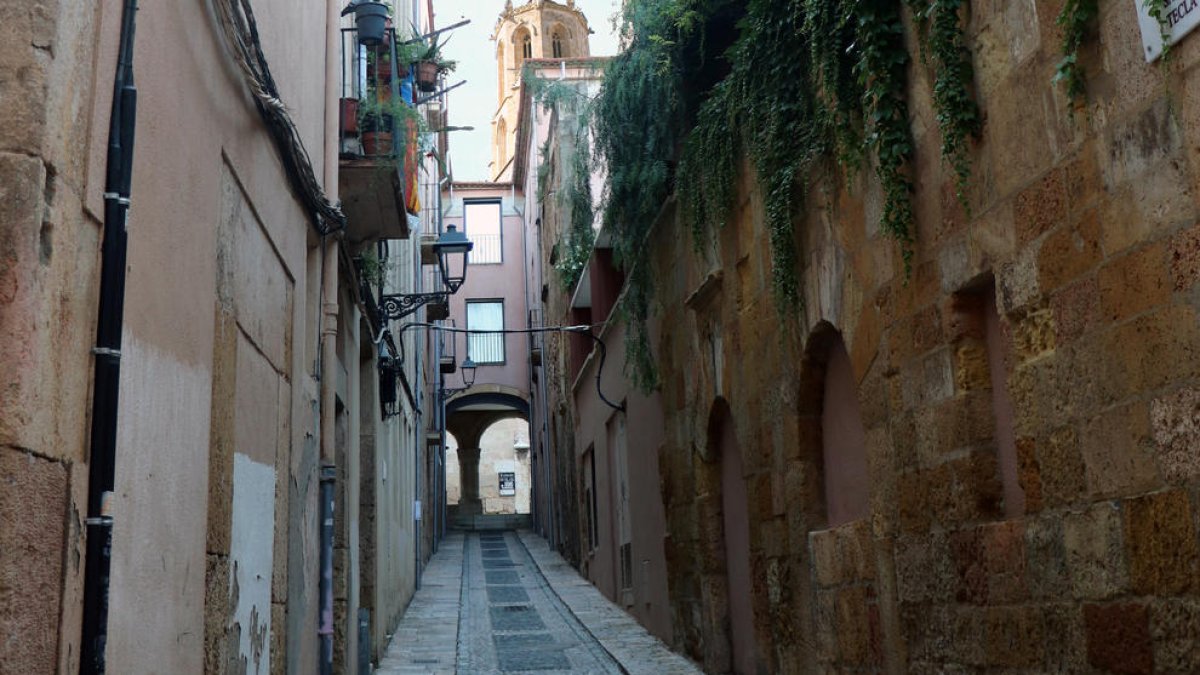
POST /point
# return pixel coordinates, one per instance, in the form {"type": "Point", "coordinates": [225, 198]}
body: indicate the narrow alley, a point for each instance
{"type": "Point", "coordinates": [741, 337]}
{"type": "Point", "coordinates": [503, 602]}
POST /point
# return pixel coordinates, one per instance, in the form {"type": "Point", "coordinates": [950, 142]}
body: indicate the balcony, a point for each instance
{"type": "Point", "coordinates": [488, 249]}
{"type": "Point", "coordinates": [377, 135]}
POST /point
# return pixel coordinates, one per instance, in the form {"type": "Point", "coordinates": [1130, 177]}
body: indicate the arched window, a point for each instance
{"type": "Point", "coordinates": [522, 46]}
{"type": "Point", "coordinates": [557, 45]}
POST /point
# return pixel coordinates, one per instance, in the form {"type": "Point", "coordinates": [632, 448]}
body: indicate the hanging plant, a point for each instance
{"type": "Point", "coordinates": [882, 73]}
{"type": "Point", "coordinates": [957, 113]}
{"type": "Point", "coordinates": [1074, 20]}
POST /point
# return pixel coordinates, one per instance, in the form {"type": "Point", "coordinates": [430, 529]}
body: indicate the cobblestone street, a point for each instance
{"type": "Point", "coordinates": [503, 602]}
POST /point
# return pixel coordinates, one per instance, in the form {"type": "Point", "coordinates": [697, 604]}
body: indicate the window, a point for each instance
{"type": "Point", "coordinates": [482, 225]}
{"type": "Point", "coordinates": [589, 499]}
{"type": "Point", "coordinates": [485, 315]}
{"type": "Point", "coordinates": [526, 48]}
{"type": "Point", "coordinates": [557, 45]}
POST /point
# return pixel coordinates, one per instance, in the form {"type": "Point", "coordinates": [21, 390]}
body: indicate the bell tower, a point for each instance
{"type": "Point", "coordinates": [535, 30]}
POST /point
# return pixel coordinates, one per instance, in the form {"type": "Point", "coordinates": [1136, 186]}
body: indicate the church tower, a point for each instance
{"type": "Point", "coordinates": [540, 29]}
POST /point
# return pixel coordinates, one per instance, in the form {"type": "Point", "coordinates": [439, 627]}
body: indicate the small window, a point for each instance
{"type": "Point", "coordinates": [527, 48]}
{"type": "Point", "coordinates": [557, 45]}
{"type": "Point", "coordinates": [485, 348]}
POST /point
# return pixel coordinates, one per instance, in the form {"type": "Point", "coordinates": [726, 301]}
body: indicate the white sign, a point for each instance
{"type": "Point", "coordinates": [1179, 17]}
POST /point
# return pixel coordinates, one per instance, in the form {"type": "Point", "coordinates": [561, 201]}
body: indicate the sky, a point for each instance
{"type": "Point", "coordinates": [473, 103]}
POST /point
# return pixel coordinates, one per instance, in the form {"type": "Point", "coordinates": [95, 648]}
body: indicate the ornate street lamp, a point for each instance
{"type": "Point", "coordinates": [468, 372]}
{"type": "Point", "coordinates": [452, 249]}
{"type": "Point", "coordinates": [468, 375]}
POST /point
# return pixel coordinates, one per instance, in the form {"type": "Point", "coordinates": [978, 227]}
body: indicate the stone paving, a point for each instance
{"type": "Point", "coordinates": [522, 609]}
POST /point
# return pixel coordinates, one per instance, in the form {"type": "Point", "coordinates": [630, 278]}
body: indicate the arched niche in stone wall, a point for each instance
{"type": "Point", "coordinates": [832, 429]}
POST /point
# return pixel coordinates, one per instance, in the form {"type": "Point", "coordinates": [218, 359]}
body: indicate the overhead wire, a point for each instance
{"type": "Point", "coordinates": [241, 35]}
{"type": "Point", "coordinates": [582, 329]}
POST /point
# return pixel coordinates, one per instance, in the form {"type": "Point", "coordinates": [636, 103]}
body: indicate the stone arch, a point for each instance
{"type": "Point", "coordinates": [561, 46]}
{"type": "Point", "coordinates": [522, 40]}
{"type": "Point", "coordinates": [833, 437]}
{"type": "Point", "coordinates": [724, 450]}
{"type": "Point", "coordinates": [468, 415]}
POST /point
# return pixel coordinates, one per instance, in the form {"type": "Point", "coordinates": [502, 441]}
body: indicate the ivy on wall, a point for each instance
{"type": "Point", "coordinates": [1074, 19]}
{"type": "Point", "coordinates": [690, 101]}
{"type": "Point", "coordinates": [574, 195]}
{"type": "Point", "coordinates": [940, 23]}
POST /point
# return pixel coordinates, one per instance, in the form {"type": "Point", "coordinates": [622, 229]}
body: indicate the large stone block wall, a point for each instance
{"type": "Point", "coordinates": [1083, 224]}
{"type": "Point", "coordinates": [48, 273]}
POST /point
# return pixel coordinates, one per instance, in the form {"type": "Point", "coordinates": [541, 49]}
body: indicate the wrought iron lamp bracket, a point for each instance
{"type": "Point", "coordinates": [394, 307]}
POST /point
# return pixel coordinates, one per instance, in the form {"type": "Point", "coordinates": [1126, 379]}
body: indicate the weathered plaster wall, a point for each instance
{"type": "Point", "coordinates": [1088, 225]}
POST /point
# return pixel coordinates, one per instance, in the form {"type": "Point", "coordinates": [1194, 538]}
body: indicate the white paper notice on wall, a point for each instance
{"type": "Point", "coordinates": [1179, 18]}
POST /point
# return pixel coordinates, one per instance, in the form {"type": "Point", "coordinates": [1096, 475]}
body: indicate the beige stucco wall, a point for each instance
{"type": "Point", "coordinates": [215, 543]}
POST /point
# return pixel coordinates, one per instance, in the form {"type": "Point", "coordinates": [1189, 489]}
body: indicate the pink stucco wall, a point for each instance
{"type": "Point", "coordinates": [504, 281]}
{"type": "Point", "coordinates": [644, 438]}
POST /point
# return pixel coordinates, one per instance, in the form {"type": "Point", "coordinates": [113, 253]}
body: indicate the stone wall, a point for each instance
{"type": "Point", "coordinates": [1082, 224]}
{"type": "Point", "coordinates": [49, 268]}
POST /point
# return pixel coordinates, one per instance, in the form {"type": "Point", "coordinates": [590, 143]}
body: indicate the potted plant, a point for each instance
{"type": "Point", "coordinates": [370, 20]}
{"type": "Point", "coordinates": [376, 121]}
{"type": "Point", "coordinates": [429, 64]}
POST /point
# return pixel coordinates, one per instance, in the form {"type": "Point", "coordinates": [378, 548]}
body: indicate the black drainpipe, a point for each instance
{"type": "Point", "coordinates": [107, 380]}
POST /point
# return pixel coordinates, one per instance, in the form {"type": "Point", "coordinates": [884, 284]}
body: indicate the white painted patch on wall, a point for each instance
{"type": "Point", "coordinates": [250, 555]}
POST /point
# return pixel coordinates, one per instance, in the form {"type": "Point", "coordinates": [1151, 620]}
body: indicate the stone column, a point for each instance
{"type": "Point", "coordinates": [469, 502]}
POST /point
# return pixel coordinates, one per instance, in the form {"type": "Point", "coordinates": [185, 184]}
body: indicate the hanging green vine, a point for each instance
{"type": "Point", "coordinates": [1074, 20]}
{"type": "Point", "coordinates": [801, 82]}
{"type": "Point", "coordinates": [882, 73]}
{"type": "Point", "coordinates": [957, 113]}
{"type": "Point", "coordinates": [574, 196]}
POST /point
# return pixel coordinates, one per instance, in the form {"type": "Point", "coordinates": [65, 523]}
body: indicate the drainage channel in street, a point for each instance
{"type": "Point", "coordinates": [511, 621]}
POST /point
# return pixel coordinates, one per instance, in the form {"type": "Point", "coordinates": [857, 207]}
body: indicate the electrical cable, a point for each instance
{"type": "Point", "coordinates": [241, 34]}
{"type": "Point", "coordinates": [583, 329]}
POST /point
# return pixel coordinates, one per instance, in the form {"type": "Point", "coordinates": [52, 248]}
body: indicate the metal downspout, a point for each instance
{"type": "Point", "coordinates": [329, 328]}
{"type": "Point", "coordinates": [107, 376]}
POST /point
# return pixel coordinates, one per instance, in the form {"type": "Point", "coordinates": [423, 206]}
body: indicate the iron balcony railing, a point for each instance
{"type": "Point", "coordinates": [487, 251]}
{"type": "Point", "coordinates": [485, 348]}
{"type": "Point", "coordinates": [374, 89]}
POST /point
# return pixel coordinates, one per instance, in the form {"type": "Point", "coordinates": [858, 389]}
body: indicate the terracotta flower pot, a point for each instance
{"type": "Point", "coordinates": [427, 73]}
{"type": "Point", "coordinates": [380, 70]}
{"type": "Point", "coordinates": [349, 110]}
{"type": "Point", "coordinates": [377, 143]}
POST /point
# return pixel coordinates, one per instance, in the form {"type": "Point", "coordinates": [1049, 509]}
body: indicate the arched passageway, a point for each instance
{"type": "Point", "coordinates": [491, 431]}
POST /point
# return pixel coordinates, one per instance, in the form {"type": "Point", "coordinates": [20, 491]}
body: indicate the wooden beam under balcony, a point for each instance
{"type": "Point", "coordinates": [373, 200]}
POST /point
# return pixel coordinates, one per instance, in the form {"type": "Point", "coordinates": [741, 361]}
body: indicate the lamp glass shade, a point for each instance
{"type": "Point", "coordinates": [452, 249]}
{"type": "Point", "coordinates": [468, 372]}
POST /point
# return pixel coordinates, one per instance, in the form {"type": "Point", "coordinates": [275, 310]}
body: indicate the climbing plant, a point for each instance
{"type": "Point", "coordinates": [689, 103]}
{"type": "Point", "coordinates": [1074, 20]}
{"type": "Point", "coordinates": [940, 24]}
{"type": "Point", "coordinates": [574, 195]}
